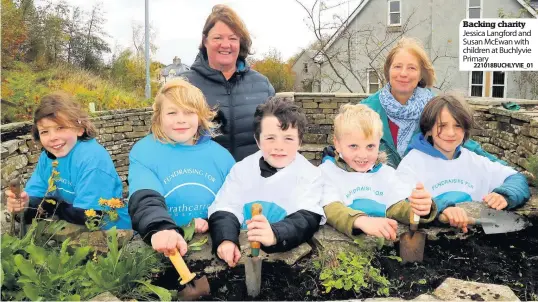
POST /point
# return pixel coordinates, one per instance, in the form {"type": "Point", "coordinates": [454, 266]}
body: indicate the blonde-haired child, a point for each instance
{"type": "Point", "coordinates": [176, 171]}
{"type": "Point", "coordinates": [361, 193]}
{"type": "Point", "coordinates": [86, 171]}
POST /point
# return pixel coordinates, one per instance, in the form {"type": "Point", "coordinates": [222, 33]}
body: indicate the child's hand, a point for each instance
{"type": "Point", "coordinates": [167, 241]}
{"type": "Point", "coordinates": [200, 225]}
{"type": "Point", "coordinates": [260, 230]}
{"type": "Point", "coordinates": [420, 200]}
{"type": "Point", "coordinates": [229, 252]}
{"type": "Point", "coordinates": [457, 217]}
{"type": "Point", "coordinates": [377, 226]}
{"type": "Point", "coordinates": [495, 201]}
{"type": "Point", "coordinates": [15, 205]}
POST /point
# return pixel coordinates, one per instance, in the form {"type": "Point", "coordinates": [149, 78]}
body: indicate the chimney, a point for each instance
{"type": "Point", "coordinates": [176, 61]}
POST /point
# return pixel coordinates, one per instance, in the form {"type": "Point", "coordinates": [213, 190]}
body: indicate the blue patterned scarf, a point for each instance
{"type": "Point", "coordinates": [406, 116]}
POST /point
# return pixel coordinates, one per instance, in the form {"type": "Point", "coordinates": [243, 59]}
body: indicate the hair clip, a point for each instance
{"type": "Point", "coordinates": [79, 122]}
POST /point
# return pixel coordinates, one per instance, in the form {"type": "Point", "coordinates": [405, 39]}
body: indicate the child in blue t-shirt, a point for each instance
{"type": "Point", "coordinates": [85, 173]}
{"type": "Point", "coordinates": [454, 174]}
{"type": "Point", "coordinates": [176, 171]}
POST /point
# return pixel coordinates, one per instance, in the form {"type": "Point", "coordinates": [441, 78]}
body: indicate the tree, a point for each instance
{"type": "Point", "coordinates": [14, 32]}
{"type": "Point", "coordinates": [366, 46]}
{"type": "Point", "coordinates": [94, 43]}
{"type": "Point", "coordinates": [276, 70]}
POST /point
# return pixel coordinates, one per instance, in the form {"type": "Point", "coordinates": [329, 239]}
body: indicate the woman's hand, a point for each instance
{"type": "Point", "coordinates": [229, 252]}
{"type": "Point", "coordinates": [167, 241]}
{"type": "Point", "coordinates": [259, 229]}
{"type": "Point", "coordinates": [14, 204]}
{"type": "Point", "coordinates": [377, 226]}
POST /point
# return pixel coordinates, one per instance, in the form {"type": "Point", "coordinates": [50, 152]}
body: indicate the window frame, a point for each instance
{"type": "Point", "coordinates": [368, 83]}
{"type": "Point", "coordinates": [389, 13]}
{"type": "Point", "coordinates": [471, 84]}
{"type": "Point", "coordinates": [503, 85]}
{"type": "Point", "coordinates": [481, 7]}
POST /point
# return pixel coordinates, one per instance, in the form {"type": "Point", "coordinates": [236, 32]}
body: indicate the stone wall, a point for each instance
{"type": "Point", "coordinates": [513, 136]}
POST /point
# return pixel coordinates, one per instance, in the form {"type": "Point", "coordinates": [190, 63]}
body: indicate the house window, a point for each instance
{"type": "Point", "coordinates": [305, 67]}
{"type": "Point", "coordinates": [476, 86]}
{"type": "Point", "coordinates": [394, 17]}
{"type": "Point", "coordinates": [474, 9]}
{"type": "Point", "coordinates": [372, 81]}
{"type": "Point", "coordinates": [498, 87]}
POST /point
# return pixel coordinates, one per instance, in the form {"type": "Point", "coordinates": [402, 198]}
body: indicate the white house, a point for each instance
{"type": "Point", "coordinates": [359, 47]}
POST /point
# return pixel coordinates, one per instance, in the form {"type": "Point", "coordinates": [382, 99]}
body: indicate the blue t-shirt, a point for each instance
{"type": "Point", "coordinates": [188, 177]}
{"type": "Point", "coordinates": [87, 174]}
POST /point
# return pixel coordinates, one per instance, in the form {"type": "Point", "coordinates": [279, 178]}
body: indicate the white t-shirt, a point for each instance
{"type": "Point", "coordinates": [296, 187]}
{"type": "Point", "coordinates": [372, 193]}
{"type": "Point", "coordinates": [469, 177]}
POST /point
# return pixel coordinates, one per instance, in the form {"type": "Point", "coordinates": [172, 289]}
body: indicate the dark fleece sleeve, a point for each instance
{"type": "Point", "coordinates": [71, 214]}
{"type": "Point", "coordinates": [223, 226]}
{"type": "Point", "coordinates": [64, 210]}
{"type": "Point", "coordinates": [149, 214]}
{"type": "Point", "coordinates": [293, 230]}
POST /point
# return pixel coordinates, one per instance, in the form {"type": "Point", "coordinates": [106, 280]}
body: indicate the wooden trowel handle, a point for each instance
{"type": "Point", "coordinates": [256, 209]}
{"type": "Point", "coordinates": [413, 220]}
{"type": "Point", "coordinates": [444, 219]}
{"type": "Point", "coordinates": [181, 267]}
{"type": "Point", "coordinates": [15, 187]}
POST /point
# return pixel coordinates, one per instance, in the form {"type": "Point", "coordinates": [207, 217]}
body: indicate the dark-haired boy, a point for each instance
{"type": "Point", "coordinates": [278, 177]}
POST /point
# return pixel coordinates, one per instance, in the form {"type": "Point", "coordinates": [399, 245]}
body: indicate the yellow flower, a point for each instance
{"type": "Point", "coordinates": [90, 213]}
{"type": "Point", "coordinates": [115, 203]}
{"type": "Point", "coordinates": [102, 201]}
{"type": "Point", "coordinates": [51, 201]}
{"type": "Point", "coordinates": [55, 164]}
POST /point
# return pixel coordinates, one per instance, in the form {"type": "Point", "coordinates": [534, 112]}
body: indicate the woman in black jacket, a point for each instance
{"type": "Point", "coordinates": [221, 72]}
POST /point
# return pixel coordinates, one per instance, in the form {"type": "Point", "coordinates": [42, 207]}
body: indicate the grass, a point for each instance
{"type": "Point", "coordinates": [24, 86]}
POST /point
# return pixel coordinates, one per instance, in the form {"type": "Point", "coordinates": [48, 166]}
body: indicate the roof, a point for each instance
{"type": "Point", "coordinates": [174, 69]}
{"type": "Point", "coordinates": [310, 52]}
{"type": "Point", "coordinates": [344, 25]}
{"type": "Point", "coordinates": [530, 8]}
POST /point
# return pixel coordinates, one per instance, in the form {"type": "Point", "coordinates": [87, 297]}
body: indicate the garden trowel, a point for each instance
{"type": "Point", "coordinates": [412, 242]}
{"type": "Point", "coordinates": [15, 187]}
{"type": "Point", "coordinates": [194, 289]}
{"type": "Point", "coordinates": [495, 221]}
{"type": "Point", "coordinates": [253, 264]}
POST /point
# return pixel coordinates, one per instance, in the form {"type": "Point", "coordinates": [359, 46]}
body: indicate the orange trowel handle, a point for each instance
{"type": "Point", "coordinates": [181, 267]}
{"type": "Point", "coordinates": [256, 209]}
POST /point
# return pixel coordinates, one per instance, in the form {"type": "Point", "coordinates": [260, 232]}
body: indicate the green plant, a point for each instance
{"type": "Point", "coordinates": [39, 272]}
{"type": "Point", "coordinates": [532, 166]}
{"type": "Point", "coordinates": [121, 274]}
{"type": "Point", "coordinates": [354, 271]}
{"type": "Point", "coordinates": [188, 234]}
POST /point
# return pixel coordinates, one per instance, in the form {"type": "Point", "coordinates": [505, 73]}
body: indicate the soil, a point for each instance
{"type": "Point", "coordinates": [507, 259]}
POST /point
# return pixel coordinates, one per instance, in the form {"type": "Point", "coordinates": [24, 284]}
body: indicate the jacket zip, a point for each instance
{"type": "Point", "coordinates": [232, 119]}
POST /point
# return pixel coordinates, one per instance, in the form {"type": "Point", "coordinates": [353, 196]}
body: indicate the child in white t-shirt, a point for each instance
{"type": "Point", "coordinates": [454, 174]}
{"type": "Point", "coordinates": [360, 193]}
